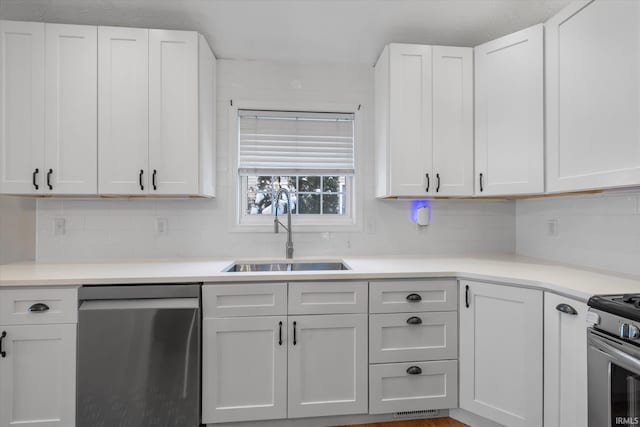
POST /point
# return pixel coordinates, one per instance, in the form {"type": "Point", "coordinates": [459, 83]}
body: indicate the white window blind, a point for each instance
{"type": "Point", "coordinates": [285, 142]}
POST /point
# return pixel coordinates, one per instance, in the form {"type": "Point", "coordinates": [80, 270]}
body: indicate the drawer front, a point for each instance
{"type": "Point", "coordinates": [250, 299]}
{"type": "Point", "coordinates": [413, 336]}
{"type": "Point", "coordinates": [434, 385]}
{"type": "Point", "coordinates": [36, 306]}
{"type": "Point", "coordinates": [328, 297]}
{"type": "Point", "coordinates": [405, 296]}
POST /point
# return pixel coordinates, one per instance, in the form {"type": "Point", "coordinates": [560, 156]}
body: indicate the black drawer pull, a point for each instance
{"type": "Point", "coordinates": [566, 308]}
{"type": "Point", "coordinates": [438, 180]}
{"type": "Point", "coordinates": [414, 320]}
{"type": "Point", "coordinates": [428, 183]}
{"type": "Point", "coordinates": [35, 174]}
{"type": "Point", "coordinates": [280, 335]}
{"type": "Point", "coordinates": [414, 298]}
{"type": "Point", "coordinates": [414, 370]}
{"type": "Point", "coordinates": [38, 308]}
{"type": "Point", "coordinates": [481, 186]}
{"type": "Point", "coordinates": [2, 337]}
{"type": "Point", "coordinates": [140, 180]}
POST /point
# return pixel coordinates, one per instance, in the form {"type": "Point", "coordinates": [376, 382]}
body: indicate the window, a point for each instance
{"type": "Point", "coordinates": [309, 154]}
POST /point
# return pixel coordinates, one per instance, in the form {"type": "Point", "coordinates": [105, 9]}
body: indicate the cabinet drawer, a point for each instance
{"type": "Point", "coordinates": [413, 336]}
{"type": "Point", "coordinates": [255, 299]}
{"type": "Point", "coordinates": [434, 385]}
{"type": "Point", "coordinates": [405, 296]}
{"type": "Point", "coordinates": [328, 297]}
{"type": "Point", "coordinates": [37, 306]}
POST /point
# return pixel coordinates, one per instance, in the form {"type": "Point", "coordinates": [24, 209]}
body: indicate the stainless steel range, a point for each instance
{"type": "Point", "coordinates": [614, 361]}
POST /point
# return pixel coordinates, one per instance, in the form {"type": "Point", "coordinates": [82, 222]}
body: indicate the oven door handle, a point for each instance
{"type": "Point", "coordinates": [615, 354]}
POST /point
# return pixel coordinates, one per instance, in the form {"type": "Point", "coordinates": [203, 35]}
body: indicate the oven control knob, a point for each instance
{"type": "Point", "coordinates": [629, 331]}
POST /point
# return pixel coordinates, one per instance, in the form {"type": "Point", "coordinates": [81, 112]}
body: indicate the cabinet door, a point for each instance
{"type": "Point", "coordinates": [123, 95]}
{"type": "Point", "coordinates": [509, 153]}
{"type": "Point", "coordinates": [38, 376]}
{"type": "Point", "coordinates": [593, 96]}
{"type": "Point", "coordinates": [565, 361]}
{"type": "Point", "coordinates": [173, 112]}
{"type": "Point", "coordinates": [327, 365]}
{"type": "Point", "coordinates": [71, 125]}
{"type": "Point", "coordinates": [244, 367]}
{"type": "Point", "coordinates": [501, 353]}
{"type": "Point", "coordinates": [453, 121]}
{"type": "Point", "coordinates": [21, 107]}
{"type": "Point", "coordinates": [410, 117]}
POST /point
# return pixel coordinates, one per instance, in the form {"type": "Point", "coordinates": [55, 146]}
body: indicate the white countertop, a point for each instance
{"type": "Point", "coordinates": [565, 280]}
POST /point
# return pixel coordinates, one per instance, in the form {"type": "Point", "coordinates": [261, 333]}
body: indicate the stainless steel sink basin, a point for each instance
{"type": "Point", "coordinates": [319, 266]}
{"type": "Point", "coordinates": [248, 267]}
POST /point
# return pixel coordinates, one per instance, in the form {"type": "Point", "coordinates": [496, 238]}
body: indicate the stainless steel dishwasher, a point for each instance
{"type": "Point", "coordinates": [139, 356]}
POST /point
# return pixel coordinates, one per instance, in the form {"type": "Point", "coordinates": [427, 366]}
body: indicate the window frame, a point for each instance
{"type": "Point", "coordinates": [242, 222]}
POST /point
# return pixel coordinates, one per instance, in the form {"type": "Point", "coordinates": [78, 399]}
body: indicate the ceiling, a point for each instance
{"type": "Point", "coordinates": [304, 31]}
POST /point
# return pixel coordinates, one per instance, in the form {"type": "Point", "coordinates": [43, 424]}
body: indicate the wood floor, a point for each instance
{"type": "Point", "coordinates": [431, 422]}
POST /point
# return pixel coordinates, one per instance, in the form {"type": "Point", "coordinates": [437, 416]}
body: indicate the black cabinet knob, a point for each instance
{"type": "Point", "coordinates": [38, 308]}
{"type": "Point", "coordinates": [414, 320]}
{"type": "Point", "coordinates": [414, 298]}
{"type": "Point", "coordinates": [414, 370]}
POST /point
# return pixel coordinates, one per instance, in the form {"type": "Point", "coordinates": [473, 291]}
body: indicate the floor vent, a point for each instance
{"type": "Point", "coordinates": [415, 414]}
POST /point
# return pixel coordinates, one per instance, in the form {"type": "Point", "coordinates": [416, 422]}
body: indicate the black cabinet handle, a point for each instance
{"type": "Point", "coordinates": [414, 370]}
{"type": "Point", "coordinates": [35, 174]}
{"type": "Point", "coordinates": [2, 337]}
{"type": "Point", "coordinates": [466, 296]}
{"type": "Point", "coordinates": [294, 334]}
{"type": "Point", "coordinates": [481, 187]}
{"type": "Point", "coordinates": [38, 308]}
{"type": "Point", "coordinates": [140, 180]}
{"type": "Point", "coordinates": [428, 183]}
{"type": "Point", "coordinates": [438, 183]}
{"type": "Point", "coordinates": [414, 320]}
{"type": "Point", "coordinates": [414, 298]}
{"type": "Point", "coordinates": [280, 335]}
{"type": "Point", "coordinates": [153, 179]}
{"type": "Point", "coordinates": [49, 179]}
{"type": "Point", "coordinates": [567, 309]}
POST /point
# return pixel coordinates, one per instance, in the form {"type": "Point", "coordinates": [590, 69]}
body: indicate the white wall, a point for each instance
{"type": "Point", "coordinates": [596, 231]}
{"type": "Point", "coordinates": [117, 229]}
{"type": "Point", "coordinates": [17, 229]}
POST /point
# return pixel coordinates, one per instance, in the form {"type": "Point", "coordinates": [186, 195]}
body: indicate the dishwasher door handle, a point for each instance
{"type": "Point", "coordinates": [135, 304]}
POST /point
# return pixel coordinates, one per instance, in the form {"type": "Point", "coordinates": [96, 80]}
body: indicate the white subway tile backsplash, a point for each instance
{"type": "Point", "coordinates": [597, 231]}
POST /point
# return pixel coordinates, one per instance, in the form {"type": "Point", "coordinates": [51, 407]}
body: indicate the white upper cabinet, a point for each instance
{"type": "Point", "coordinates": [453, 120]}
{"type": "Point", "coordinates": [21, 107]}
{"type": "Point", "coordinates": [424, 121]}
{"type": "Point", "coordinates": [565, 362]}
{"type": "Point", "coordinates": [123, 110]}
{"type": "Point", "coordinates": [71, 109]}
{"type": "Point", "coordinates": [501, 353]}
{"type": "Point", "coordinates": [509, 114]}
{"type": "Point", "coordinates": [175, 138]}
{"type": "Point", "coordinates": [593, 96]}
{"type": "Point", "coordinates": [109, 110]}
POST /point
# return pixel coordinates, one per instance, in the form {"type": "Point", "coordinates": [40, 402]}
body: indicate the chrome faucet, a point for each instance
{"type": "Point", "coordinates": [277, 223]}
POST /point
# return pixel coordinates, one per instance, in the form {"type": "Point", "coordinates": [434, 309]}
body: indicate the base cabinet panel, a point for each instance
{"type": "Point", "coordinates": [501, 353]}
{"type": "Point", "coordinates": [414, 386]}
{"type": "Point", "coordinates": [37, 376]}
{"type": "Point", "coordinates": [565, 362]}
{"type": "Point", "coordinates": [327, 365]}
{"type": "Point", "coordinates": [244, 369]}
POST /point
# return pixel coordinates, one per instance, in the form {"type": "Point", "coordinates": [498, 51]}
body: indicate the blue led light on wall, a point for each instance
{"type": "Point", "coordinates": [417, 204]}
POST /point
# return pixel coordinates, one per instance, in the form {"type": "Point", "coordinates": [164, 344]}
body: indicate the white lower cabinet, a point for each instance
{"type": "Point", "coordinates": [565, 362]}
{"type": "Point", "coordinates": [327, 365]}
{"type": "Point", "coordinates": [397, 387]}
{"type": "Point", "coordinates": [501, 358]}
{"type": "Point", "coordinates": [244, 369]}
{"type": "Point", "coordinates": [37, 375]}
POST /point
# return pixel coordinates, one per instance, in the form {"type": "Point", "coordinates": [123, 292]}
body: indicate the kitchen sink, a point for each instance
{"type": "Point", "coordinates": [248, 267]}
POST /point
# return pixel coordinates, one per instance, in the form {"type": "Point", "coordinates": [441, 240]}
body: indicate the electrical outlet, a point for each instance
{"type": "Point", "coordinates": [59, 226]}
{"type": "Point", "coordinates": [162, 226]}
{"type": "Point", "coordinates": [552, 227]}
